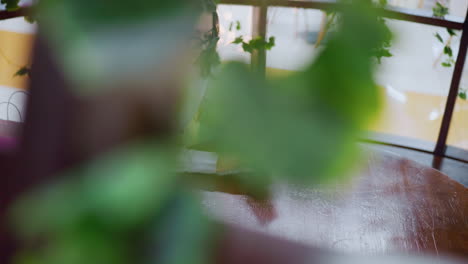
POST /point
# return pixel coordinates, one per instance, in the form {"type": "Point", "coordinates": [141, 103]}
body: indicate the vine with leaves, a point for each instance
{"type": "Point", "coordinates": [440, 11]}
{"type": "Point", "coordinates": [382, 51]}
{"type": "Point", "coordinates": [208, 59]}
{"type": "Point", "coordinates": [257, 43]}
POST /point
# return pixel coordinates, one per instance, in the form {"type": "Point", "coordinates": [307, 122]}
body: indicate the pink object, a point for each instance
{"type": "Point", "coordinates": [7, 142]}
{"type": "Point", "coordinates": [7, 134]}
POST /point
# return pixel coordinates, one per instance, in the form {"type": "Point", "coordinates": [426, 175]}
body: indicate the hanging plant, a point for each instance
{"type": "Point", "coordinates": [209, 57]}
{"type": "Point", "coordinates": [440, 11]}
{"type": "Point", "coordinates": [330, 21]}
{"type": "Point", "coordinates": [447, 50]}
{"type": "Point", "coordinates": [384, 49]}
{"type": "Point", "coordinates": [257, 43]}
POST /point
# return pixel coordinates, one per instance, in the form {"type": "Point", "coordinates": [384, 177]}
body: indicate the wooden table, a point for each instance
{"type": "Point", "coordinates": [392, 206]}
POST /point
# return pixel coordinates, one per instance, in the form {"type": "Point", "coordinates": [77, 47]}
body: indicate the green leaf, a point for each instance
{"type": "Point", "coordinates": [238, 40]}
{"type": "Point", "coordinates": [238, 25]}
{"type": "Point", "coordinates": [257, 43]}
{"type": "Point", "coordinates": [439, 10]}
{"type": "Point", "coordinates": [270, 44]}
{"type": "Point", "coordinates": [30, 19]}
{"type": "Point", "coordinates": [382, 52]}
{"type": "Point", "coordinates": [446, 64]}
{"type": "Point", "coordinates": [437, 35]}
{"type": "Point", "coordinates": [448, 51]}
{"type": "Point", "coordinates": [209, 57]}
{"type": "Point", "coordinates": [23, 71]}
{"type": "Point", "coordinates": [462, 95]}
{"type": "Point", "coordinates": [11, 5]}
{"type": "Point", "coordinates": [451, 32]}
{"type": "Point", "coordinates": [247, 47]}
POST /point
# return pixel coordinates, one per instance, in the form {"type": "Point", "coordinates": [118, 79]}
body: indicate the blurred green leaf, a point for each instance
{"type": "Point", "coordinates": [182, 235]}
{"type": "Point", "coordinates": [10, 5]}
{"type": "Point", "coordinates": [383, 50]}
{"type": "Point", "coordinates": [90, 13]}
{"type": "Point", "coordinates": [257, 43]}
{"type": "Point", "coordinates": [462, 95]}
{"type": "Point", "coordinates": [440, 10]}
{"type": "Point", "coordinates": [102, 44]}
{"type": "Point", "coordinates": [238, 40]}
{"type": "Point", "coordinates": [238, 25]}
{"type": "Point", "coordinates": [116, 191]}
{"type": "Point", "coordinates": [25, 70]}
{"type": "Point", "coordinates": [383, 3]}
{"type": "Point", "coordinates": [30, 19]}
{"type": "Point", "coordinates": [380, 53]}
{"type": "Point", "coordinates": [209, 58]}
{"type": "Point", "coordinates": [446, 64]}
{"type": "Point", "coordinates": [302, 127]}
{"type": "Point", "coordinates": [437, 35]}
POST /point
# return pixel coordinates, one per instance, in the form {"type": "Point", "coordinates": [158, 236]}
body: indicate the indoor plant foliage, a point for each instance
{"type": "Point", "coordinates": [11, 5]}
{"type": "Point", "coordinates": [209, 57]}
{"type": "Point", "coordinates": [440, 11]}
{"type": "Point", "coordinates": [379, 52]}
{"type": "Point", "coordinates": [254, 117]}
{"type": "Point", "coordinates": [132, 204]}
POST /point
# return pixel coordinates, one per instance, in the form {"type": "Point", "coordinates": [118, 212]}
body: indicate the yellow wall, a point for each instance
{"type": "Point", "coordinates": [15, 52]}
{"type": "Point", "coordinates": [411, 118]}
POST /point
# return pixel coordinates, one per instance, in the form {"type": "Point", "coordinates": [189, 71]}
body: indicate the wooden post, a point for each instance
{"type": "Point", "coordinates": [259, 28]}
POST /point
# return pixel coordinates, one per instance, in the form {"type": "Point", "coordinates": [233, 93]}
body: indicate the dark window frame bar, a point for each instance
{"type": "Point", "coordinates": [417, 16]}
{"type": "Point", "coordinates": [23, 11]}
{"type": "Point", "coordinates": [453, 93]}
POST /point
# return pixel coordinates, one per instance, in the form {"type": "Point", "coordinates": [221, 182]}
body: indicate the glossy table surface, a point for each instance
{"type": "Point", "coordinates": [392, 206]}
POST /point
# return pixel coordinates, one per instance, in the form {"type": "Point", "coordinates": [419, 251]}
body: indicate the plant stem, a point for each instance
{"type": "Point", "coordinates": [324, 26]}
